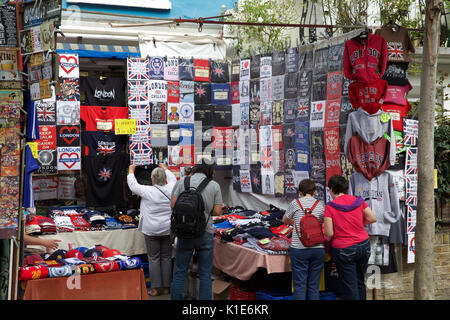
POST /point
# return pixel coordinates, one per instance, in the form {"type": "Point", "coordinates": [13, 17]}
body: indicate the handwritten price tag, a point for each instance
{"type": "Point", "coordinates": [125, 126]}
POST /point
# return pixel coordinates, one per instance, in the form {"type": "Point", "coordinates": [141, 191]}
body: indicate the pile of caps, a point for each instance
{"type": "Point", "coordinates": [78, 261]}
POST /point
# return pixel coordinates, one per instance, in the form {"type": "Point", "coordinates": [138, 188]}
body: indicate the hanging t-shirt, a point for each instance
{"type": "Point", "coordinates": [30, 166]}
{"type": "Point", "coordinates": [396, 73]}
{"type": "Point", "coordinates": [397, 94]}
{"type": "Point", "coordinates": [220, 94]}
{"type": "Point", "coordinates": [399, 44]}
{"type": "Point", "coordinates": [102, 118]}
{"type": "Point", "coordinates": [203, 113]}
{"type": "Point", "coordinates": [222, 116]}
{"type": "Point", "coordinates": [103, 92]}
{"type": "Point", "coordinates": [254, 66]}
{"type": "Point", "coordinates": [278, 63]}
{"type": "Point", "coordinates": [397, 113]}
{"type": "Point", "coordinates": [201, 70]}
{"type": "Point", "coordinates": [100, 142]}
{"type": "Point", "coordinates": [368, 95]}
{"type": "Point", "coordinates": [290, 85]}
{"type": "Point", "coordinates": [104, 179]}
{"type": "Point", "coordinates": [292, 60]}
{"type": "Point", "coordinates": [219, 72]}
{"type": "Point", "coordinates": [186, 69]}
{"type": "Point", "coordinates": [202, 93]}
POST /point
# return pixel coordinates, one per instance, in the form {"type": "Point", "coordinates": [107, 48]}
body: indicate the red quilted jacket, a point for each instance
{"type": "Point", "coordinates": [365, 59]}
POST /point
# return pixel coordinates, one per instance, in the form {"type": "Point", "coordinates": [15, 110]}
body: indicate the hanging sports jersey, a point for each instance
{"type": "Point", "coordinates": [103, 92]}
{"type": "Point", "coordinates": [219, 72]}
{"type": "Point", "coordinates": [104, 185]}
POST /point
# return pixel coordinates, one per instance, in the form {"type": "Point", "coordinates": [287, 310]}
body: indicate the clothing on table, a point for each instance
{"type": "Point", "coordinates": [296, 213]}
{"type": "Point", "coordinates": [155, 208]}
{"type": "Point", "coordinates": [347, 214]}
{"type": "Point", "coordinates": [381, 196]}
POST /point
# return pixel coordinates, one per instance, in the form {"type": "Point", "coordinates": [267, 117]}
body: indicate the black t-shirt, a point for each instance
{"type": "Point", "coordinates": [254, 66]}
{"type": "Point", "coordinates": [219, 72]}
{"type": "Point", "coordinates": [101, 142]}
{"type": "Point", "coordinates": [106, 92]}
{"type": "Point", "coordinates": [222, 116]}
{"type": "Point", "coordinates": [186, 69]}
{"type": "Point", "coordinates": [202, 93]}
{"type": "Point", "coordinates": [278, 63]}
{"type": "Point", "coordinates": [104, 185]}
{"type": "Point", "coordinates": [396, 73]}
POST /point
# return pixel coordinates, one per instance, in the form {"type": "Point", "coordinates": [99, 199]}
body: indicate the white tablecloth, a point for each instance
{"type": "Point", "coordinates": [128, 241]}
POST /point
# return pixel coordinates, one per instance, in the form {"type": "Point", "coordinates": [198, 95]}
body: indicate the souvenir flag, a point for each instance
{"type": "Point", "coordinates": [411, 219]}
{"type": "Point", "coordinates": [139, 112]}
{"type": "Point", "coordinates": [411, 190]}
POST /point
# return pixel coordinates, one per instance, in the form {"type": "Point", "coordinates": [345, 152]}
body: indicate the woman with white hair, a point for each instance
{"type": "Point", "coordinates": [154, 223]}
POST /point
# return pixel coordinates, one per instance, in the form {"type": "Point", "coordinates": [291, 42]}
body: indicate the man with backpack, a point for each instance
{"type": "Point", "coordinates": [307, 248]}
{"type": "Point", "coordinates": [194, 200]}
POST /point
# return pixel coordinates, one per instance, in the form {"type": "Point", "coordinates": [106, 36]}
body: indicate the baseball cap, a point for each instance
{"type": "Point", "coordinates": [74, 253]}
{"type": "Point", "coordinates": [58, 254]}
{"type": "Point", "coordinates": [111, 252]}
{"type": "Point", "coordinates": [82, 250]}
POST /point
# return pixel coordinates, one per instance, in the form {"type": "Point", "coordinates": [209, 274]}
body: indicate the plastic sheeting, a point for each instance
{"type": "Point", "coordinates": [251, 201]}
{"type": "Point", "coordinates": [202, 47]}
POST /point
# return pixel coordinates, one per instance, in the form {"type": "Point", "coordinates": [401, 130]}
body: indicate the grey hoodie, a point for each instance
{"type": "Point", "coordinates": [381, 196]}
{"type": "Point", "coordinates": [369, 127]}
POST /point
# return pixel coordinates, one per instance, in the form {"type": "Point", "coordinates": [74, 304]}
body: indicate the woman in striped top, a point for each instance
{"type": "Point", "coordinates": [306, 262]}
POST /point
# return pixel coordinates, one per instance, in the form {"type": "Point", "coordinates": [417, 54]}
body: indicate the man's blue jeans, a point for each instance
{"type": "Point", "coordinates": [351, 263]}
{"type": "Point", "coordinates": [307, 265]}
{"type": "Point", "coordinates": [204, 248]}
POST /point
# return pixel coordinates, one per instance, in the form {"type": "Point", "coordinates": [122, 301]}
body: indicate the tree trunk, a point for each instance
{"type": "Point", "coordinates": [424, 243]}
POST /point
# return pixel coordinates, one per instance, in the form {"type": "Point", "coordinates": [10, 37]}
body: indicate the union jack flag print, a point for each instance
{"type": "Point", "coordinates": [104, 174]}
{"type": "Point", "coordinates": [410, 132]}
{"type": "Point", "coordinates": [395, 50]}
{"type": "Point", "coordinates": [266, 159]}
{"type": "Point", "coordinates": [141, 153]}
{"type": "Point", "coordinates": [46, 112]}
{"type": "Point", "coordinates": [246, 185]}
{"type": "Point", "coordinates": [137, 93]}
{"type": "Point", "coordinates": [411, 190]}
{"type": "Point", "coordinates": [411, 219]}
{"type": "Point", "coordinates": [411, 161]}
{"type": "Point", "coordinates": [137, 69]}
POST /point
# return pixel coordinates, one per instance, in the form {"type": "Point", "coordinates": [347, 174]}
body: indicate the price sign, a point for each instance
{"type": "Point", "coordinates": [125, 126]}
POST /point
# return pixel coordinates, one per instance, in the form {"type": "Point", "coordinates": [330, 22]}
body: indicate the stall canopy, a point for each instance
{"type": "Point", "coordinates": [99, 51]}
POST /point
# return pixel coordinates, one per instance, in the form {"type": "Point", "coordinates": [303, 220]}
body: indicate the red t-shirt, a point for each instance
{"type": "Point", "coordinates": [102, 118]}
{"type": "Point", "coordinates": [348, 225]}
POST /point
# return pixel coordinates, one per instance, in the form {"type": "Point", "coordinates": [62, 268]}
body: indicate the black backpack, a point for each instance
{"type": "Point", "coordinates": [188, 214]}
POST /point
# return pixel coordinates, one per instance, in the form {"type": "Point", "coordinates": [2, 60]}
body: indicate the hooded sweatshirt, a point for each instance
{"type": "Point", "coordinates": [370, 127]}
{"type": "Point", "coordinates": [365, 59]}
{"type": "Point", "coordinates": [367, 95]}
{"type": "Point", "coordinates": [381, 195]}
{"type": "Point", "coordinates": [347, 213]}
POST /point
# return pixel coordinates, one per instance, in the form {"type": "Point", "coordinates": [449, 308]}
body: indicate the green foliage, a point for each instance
{"type": "Point", "coordinates": [347, 12]}
{"type": "Point", "coordinates": [260, 38]}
